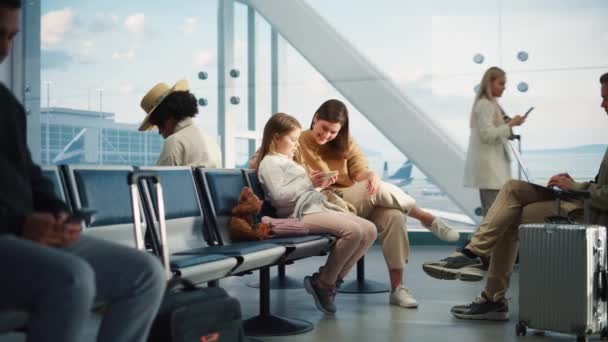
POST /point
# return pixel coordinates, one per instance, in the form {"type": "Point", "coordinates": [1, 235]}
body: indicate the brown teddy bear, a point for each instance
{"type": "Point", "coordinates": [241, 225]}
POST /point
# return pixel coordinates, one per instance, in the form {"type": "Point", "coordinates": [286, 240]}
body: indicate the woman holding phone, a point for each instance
{"type": "Point", "coordinates": [488, 163]}
{"type": "Point", "coordinates": [328, 146]}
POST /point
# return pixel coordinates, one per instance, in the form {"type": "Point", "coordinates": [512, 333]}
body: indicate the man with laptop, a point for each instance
{"type": "Point", "coordinates": [517, 203]}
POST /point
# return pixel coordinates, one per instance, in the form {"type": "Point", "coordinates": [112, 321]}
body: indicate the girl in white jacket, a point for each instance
{"type": "Point", "coordinates": [488, 164]}
{"type": "Point", "coordinates": [293, 194]}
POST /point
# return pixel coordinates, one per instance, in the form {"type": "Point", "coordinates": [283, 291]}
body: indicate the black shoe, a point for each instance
{"type": "Point", "coordinates": [483, 309]}
{"type": "Point", "coordinates": [324, 298]}
{"type": "Point", "coordinates": [456, 266]}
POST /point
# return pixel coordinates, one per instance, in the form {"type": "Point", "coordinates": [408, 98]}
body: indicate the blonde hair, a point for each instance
{"type": "Point", "coordinates": [485, 87]}
{"type": "Point", "coordinates": [279, 124]}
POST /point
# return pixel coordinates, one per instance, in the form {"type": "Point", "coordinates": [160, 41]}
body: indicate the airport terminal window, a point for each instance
{"type": "Point", "coordinates": [99, 59]}
{"type": "Point", "coordinates": [434, 52]}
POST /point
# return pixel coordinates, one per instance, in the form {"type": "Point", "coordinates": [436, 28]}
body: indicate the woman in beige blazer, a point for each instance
{"type": "Point", "coordinates": [171, 109]}
{"type": "Point", "coordinates": [488, 164]}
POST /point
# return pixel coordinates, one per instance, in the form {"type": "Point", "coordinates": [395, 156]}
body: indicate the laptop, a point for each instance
{"type": "Point", "coordinates": [525, 173]}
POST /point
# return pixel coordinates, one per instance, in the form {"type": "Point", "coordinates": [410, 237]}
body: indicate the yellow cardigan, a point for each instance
{"type": "Point", "coordinates": [317, 157]}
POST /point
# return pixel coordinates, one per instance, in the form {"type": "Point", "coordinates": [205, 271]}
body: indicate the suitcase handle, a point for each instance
{"type": "Point", "coordinates": [133, 179]}
{"type": "Point", "coordinates": [600, 280]}
{"type": "Point", "coordinates": [604, 289]}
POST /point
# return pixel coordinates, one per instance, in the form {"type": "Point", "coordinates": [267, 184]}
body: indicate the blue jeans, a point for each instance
{"type": "Point", "coordinates": [59, 285]}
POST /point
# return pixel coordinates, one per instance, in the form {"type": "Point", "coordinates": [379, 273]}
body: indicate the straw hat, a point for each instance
{"type": "Point", "coordinates": [155, 96]}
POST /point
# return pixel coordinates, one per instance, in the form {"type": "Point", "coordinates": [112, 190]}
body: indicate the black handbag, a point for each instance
{"type": "Point", "coordinates": [194, 314]}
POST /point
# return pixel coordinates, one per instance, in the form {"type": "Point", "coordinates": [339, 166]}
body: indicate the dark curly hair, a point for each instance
{"type": "Point", "coordinates": [604, 78]}
{"type": "Point", "coordinates": [178, 105]}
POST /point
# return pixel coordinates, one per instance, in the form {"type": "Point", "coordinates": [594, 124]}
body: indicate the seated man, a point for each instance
{"type": "Point", "coordinates": [48, 269]}
{"type": "Point", "coordinates": [517, 203]}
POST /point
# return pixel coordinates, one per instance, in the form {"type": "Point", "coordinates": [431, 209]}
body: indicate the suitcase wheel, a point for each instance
{"type": "Point", "coordinates": [521, 329]}
{"type": "Point", "coordinates": [604, 333]}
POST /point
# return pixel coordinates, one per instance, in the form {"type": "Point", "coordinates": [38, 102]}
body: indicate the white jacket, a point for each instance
{"type": "Point", "coordinates": [188, 146]}
{"type": "Point", "coordinates": [287, 186]}
{"type": "Point", "coordinates": [488, 164]}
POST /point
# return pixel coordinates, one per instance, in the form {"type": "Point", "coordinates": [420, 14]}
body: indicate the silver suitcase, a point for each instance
{"type": "Point", "coordinates": [562, 279]}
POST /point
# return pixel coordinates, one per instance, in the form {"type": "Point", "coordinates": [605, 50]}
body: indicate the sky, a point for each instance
{"type": "Point", "coordinates": [117, 50]}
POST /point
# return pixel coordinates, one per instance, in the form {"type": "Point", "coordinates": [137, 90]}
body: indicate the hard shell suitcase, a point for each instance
{"type": "Point", "coordinates": [188, 313]}
{"type": "Point", "coordinates": [562, 279]}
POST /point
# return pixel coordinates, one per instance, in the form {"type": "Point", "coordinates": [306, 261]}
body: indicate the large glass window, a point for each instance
{"type": "Point", "coordinates": [104, 56]}
{"type": "Point", "coordinates": [100, 58]}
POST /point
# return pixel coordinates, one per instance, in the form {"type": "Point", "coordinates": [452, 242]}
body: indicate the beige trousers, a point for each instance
{"type": "Point", "coordinates": [487, 197]}
{"type": "Point", "coordinates": [354, 237]}
{"type": "Point", "coordinates": [517, 203]}
{"type": "Point", "coordinates": [387, 210]}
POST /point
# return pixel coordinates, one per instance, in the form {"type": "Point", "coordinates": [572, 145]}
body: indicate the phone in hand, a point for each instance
{"type": "Point", "coordinates": [82, 214]}
{"type": "Point", "coordinates": [329, 174]}
{"type": "Point", "coordinates": [528, 112]}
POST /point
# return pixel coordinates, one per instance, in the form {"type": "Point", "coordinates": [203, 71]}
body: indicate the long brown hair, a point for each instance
{"type": "Point", "coordinates": [279, 124]}
{"type": "Point", "coordinates": [335, 111]}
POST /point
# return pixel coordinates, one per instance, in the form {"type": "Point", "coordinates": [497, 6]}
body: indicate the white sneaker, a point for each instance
{"type": "Point", "coordinates": [443, 231]}
{"type": "Point", "coordinates": [402, 297]}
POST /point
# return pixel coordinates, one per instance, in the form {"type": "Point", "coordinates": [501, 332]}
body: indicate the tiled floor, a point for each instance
{"type": "Point", "coordinates": [368, 317]}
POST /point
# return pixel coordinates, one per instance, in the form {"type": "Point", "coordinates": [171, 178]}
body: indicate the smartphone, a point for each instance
{"type": "Point", "coordinates": [327, 175]}
{"type": "Point", "coordinates": [528, 112]}
{"type": "Point", "coordinates": [82, 214]}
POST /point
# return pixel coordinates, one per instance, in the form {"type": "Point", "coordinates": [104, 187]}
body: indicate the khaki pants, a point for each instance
{"type": "Point", "coordinates": [487, 197]}
{"type": "Point", "coordinates": [355, 235]}
{"type": "Point", "coordinates": [517, 203]}
{"type": "Point", "coordinates": [387, 210]}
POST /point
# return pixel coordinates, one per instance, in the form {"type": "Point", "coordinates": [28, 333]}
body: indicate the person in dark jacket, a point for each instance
{"type": "Point", "coordinates": [48, 269]}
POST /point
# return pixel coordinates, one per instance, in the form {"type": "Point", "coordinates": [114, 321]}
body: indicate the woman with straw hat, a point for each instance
{"type": "Point", "coordinates": [171, 109]}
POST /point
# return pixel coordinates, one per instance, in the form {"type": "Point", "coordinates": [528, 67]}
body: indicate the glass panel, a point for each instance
{"type": "Point", "coordinates": [98, 59]}
{"type": "Point", "coordinates": [242, 153]}
{"type": "Point", "coordinates": [241, 65]}
{"type": "Point", "coordinates": [263, 74]}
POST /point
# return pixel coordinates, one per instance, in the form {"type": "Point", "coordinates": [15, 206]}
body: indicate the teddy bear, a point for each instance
{"type": "Point", "coordinates": [241, 226]}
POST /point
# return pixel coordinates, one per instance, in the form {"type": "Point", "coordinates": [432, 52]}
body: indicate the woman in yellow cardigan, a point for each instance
{"type": "Point", "coordinates": [328, 146]}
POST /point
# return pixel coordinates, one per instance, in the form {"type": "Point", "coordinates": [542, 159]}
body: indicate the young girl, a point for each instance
{"type": "Point", "coordinates": [290, 190]}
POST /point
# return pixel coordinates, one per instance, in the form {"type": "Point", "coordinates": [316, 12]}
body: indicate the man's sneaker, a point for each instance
{"type": "Point", "coordinates": [402, 297]}
{"type": "Point", "coordinates": [456, 266]}
{"type": "Point", "coordinates": [483, 309]}
{"type": "Point", "coordinates": [443, 231]}
{"type": "Point", "coordinates": [324, 298]}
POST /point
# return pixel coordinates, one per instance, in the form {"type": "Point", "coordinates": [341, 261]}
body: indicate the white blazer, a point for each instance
{"type": "Point", "coordinates": [488, 164]}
